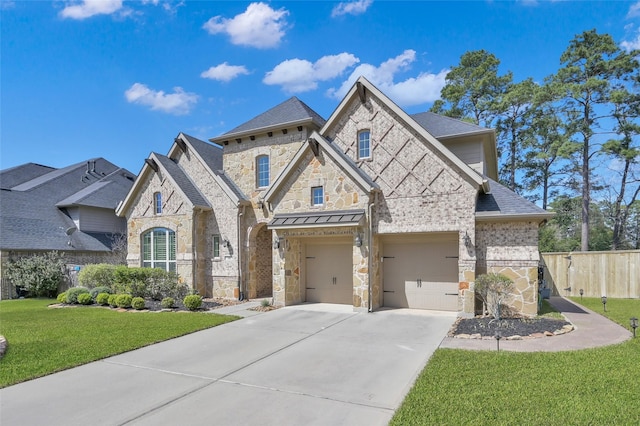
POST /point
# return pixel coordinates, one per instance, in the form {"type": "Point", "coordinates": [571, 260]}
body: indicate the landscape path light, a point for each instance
{"type": "Point", "coordinates": [498, 336]}
{"type": "Point", "coordinates": [634, 324]}
{"type": "Point", "coordinates": [604, 302]}
{"type": "Point", "coordinates": [581, 293]}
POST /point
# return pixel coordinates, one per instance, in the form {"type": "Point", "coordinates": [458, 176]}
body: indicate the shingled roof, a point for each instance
{"type": "Point", "coordinates": [502, 202]}
{"type": "Point", "coordinates": [441, 126]}
{"type": "Point", "coordinates": [34, 201]}
{"type": "Point", "coordinates": [181, 179]}
{"type": "Point", "coordinates": [290, 112]}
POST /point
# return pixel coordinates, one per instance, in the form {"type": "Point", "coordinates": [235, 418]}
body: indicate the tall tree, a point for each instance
{"type": "Point", "coordinates": [589, 65]}
{"type": "Point", "coordinates": [473, 89]}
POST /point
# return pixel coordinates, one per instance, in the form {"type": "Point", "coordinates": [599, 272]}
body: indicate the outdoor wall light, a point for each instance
{"type": "Point", "coordinates": [634, 324]}
{"type": "Point", "coordinates": [604, 302]}
{"type": "Point", "coordinates": [226, 243]}
{"type": "Point", "coordinates": [581, 293]}
{"type": "Point", "coordinates": [467, 239]}
{"type": "Point", "coordinates": [276, 243]}
{"type": "Point", "coordinates": [358, 240]}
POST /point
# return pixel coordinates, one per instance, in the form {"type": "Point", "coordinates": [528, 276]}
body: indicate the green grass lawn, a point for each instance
{"type": "Point", "coordinates": [588, 387]}
{"type": "Point", "coordinates": [43, 340]}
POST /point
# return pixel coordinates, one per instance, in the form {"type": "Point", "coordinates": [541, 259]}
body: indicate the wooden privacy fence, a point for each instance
{"type": "Point", "coordinates": [604, 273]}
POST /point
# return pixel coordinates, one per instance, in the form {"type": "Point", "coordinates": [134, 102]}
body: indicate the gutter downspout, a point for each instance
{"type": "Point", "coordinates": [370, 239]}
{"type": "Point", "coordinates": [239, 218]}
{"type": "Point", "coordinates": [194, 250]}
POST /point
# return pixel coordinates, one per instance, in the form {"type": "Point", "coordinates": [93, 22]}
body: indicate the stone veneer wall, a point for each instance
{"type": "Point", "coordinates": [421, 189]}
{"type": "Point", "coordinates": [511, 248]}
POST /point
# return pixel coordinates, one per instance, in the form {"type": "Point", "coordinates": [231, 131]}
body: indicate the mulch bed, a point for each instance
{"type": "Point", "coordinates": [481, 327]}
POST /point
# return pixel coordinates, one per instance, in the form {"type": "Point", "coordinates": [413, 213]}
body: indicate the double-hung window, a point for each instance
{"type": "Point", "coordinates": [364, 144]}
{"type": "Point", "coordinates": [159, 249]}
{"type": "Point", "coordinates": [262, 171]}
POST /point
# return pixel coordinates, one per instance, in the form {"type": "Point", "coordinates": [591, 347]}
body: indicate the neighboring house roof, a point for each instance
{"type": "Point", "coordinates": [360, 89]}
{"type": "Point", "coordinates": [502, 203]}
{"type": "Point", "coordinates": [344, 161]}
{"type": "Point", "coordinates": [289, 113]}
{"type": "Point", "coordinates": [317, 219]}
{"type": "Point", "coordinates": [34, 198]}
{"type": "Point", "coordinates": [181, 181]}
{"type": "Point", "coordinates": [441, 126]}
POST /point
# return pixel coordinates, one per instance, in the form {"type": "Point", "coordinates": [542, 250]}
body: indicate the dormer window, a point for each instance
{"type": "Point", "coordinates": [317, 196]}
{"type": "Point", "coordinates": [364, 145]}
{"type": "Point", "coordinates": [157, 202]}
{"type": "Point", "coordinates": [262, 171]}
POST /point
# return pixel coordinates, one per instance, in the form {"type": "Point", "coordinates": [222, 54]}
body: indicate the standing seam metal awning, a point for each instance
{"type": "Point", "coordinates": [319, 219]}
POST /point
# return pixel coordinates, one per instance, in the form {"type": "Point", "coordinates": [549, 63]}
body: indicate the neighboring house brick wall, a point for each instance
{"type": "Point", "coordinates": [511, 248]}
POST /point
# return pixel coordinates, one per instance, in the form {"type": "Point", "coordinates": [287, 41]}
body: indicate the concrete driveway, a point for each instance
{"type": "Point", "coordinates": [300, 365]}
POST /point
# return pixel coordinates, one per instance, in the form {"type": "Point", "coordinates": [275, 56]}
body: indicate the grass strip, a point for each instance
{"type": "Point", "coordinates": [44, 340]}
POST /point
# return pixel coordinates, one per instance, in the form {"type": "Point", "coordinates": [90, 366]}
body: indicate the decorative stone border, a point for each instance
{"type": "Point", "coordinates": [3, 346]}
{"type": "Point", "coordinates": [565, 329]}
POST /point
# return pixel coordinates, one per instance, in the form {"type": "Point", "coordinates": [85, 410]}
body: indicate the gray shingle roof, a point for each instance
{"type": "Point", "coordinates": [30, 218]}
{"type": "Point", "coordinates": [185, 184]}
{"type": "Point", "coordinates": [501, 201]}
{"type": "Point", "coordinates": [317, 219]}
{"type": "Point", "coordinates": [440, 126]}
{"type": "Point", "coordinates": [291, 111]}
{"type": "Point", "coordinates": [210, 154]}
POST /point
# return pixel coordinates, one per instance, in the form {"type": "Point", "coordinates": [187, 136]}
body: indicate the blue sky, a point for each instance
{"type": "Point", "coordinates": [119, 79]}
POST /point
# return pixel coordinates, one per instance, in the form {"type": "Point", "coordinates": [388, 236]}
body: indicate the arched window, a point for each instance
{"type": "Point", "coordinates": [157, 202]}
{"type": "Point", "coordinates": [364, 144]}
{"type": "Point", "coordinates": [262, 171]}
{"type": "Point", "coordinates": [159, 249]}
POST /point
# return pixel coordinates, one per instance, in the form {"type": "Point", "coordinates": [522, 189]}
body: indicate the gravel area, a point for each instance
{"type": "Point", "coordinates": [488, 327]}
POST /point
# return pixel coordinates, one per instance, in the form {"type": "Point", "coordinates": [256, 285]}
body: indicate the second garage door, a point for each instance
{"type": "Point", "coordinates": [421, 273]}
{"type": "Point", "coordinates": [329, 273]}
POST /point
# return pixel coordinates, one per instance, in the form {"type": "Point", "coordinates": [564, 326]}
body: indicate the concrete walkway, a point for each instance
{"type": "Point", "coordinates": [299, 365]}
{"type": "Point", "coordinates": [592, 330]}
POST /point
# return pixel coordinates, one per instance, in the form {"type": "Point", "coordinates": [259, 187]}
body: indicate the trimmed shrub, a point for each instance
{"type": "Point", "coordinates": [98, 275]}
{"type": "Point", "coordinates": [494, 290]}
{"type": "Point", "coordinates": [123, 300]}
{"type": "Point", "coordinates": [85, 299]}
{"type": "Point", "coordinates": [111, 300]}
{"type": "Point", "coordinates": [131, 280]}
{"type": "Point", "coordinates": [137, 303]}
{"type": "Point", "coordinates": [74, 292]}
{"type": "Point", "coordinates": [39, 274]}
{"type": "Point", "coordinates": [97, 290]}
{"type": "Point", "coordinates": [103, 299]}
{"type": "Point", "coordinates": [62, 297]}
{"type": "Point", "coordinates": [192, 302]}
{"type": "Point", "coordinates": [168, 303]}
{"type": "Point", "coordinates": [264, 303]}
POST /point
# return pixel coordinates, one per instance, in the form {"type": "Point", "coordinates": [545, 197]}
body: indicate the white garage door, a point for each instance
{"type": "Point", "coordinates": [329, 273]}
{"type": "Point", "coordinates": [421, 274]}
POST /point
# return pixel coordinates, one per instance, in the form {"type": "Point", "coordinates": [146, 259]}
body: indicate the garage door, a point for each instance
{"type": "Point", "coordinates": [421, 274]}
{"type": "Point", "coordinates": [329, 276]}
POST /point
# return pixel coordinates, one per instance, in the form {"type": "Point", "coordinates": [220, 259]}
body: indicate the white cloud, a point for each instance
{"type": "Point", "coordinates": [177, 103]}
{"type": "Point", "coordinates": [630, 45]}
{"type": "Point", "coordinates": [424, 88]}
{"type": "Point", "coordinates": [259, 26]}
{"type": "Point", "coordinates": [7, 4]}
{"type": "Point", "coordinates": [300, 75]}
{"type": "Point", "coordinates": [224, 72]}
{"type": "Point", "coordinates": [634, 10]}
{"type": "Point", "coordinates": [88, 8]}
{"type": "Point", "coordinates": [351, 8]}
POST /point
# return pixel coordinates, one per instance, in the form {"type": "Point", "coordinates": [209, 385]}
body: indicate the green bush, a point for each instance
{"type": "Point", "coordinates": [137, 303]}
{"type": "Point", "coordinates": [168, 303]}
{"type": "Point", "coordinates": [192, 302]}
{"type": "Point", "coordinates": [85, 299]}
{"type": "Point", "coordinates": [62, 297]}
{"type": "Point", "coordinates": [98, 275]}
{"type": "Point", "coordinates": [264, 303]}
{"type": "Point", "coordinates": [74, 292]}
{"type": "Point", "coordinates": [97, 290]}
{"type": "Point", "coordinates": [111, 300]}
{"type": "Point", "coordinates": [494, 290]}
{"type": "Point", "coordinates": [40, 274]}
{"type": "Point", "coordinates": [103, 299]}
{"type": "Point", "coordinates": [123, 300]}
{"type": "Point", "coordinates": [161, 284]}
{"type": "Point", "coordinates": [131, 280]}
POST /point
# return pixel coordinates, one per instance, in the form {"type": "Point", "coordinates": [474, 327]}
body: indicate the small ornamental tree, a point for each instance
{"type": "Point", "coordinates": [494, 290]}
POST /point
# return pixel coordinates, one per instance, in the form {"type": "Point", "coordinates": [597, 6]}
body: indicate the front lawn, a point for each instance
{"type": "Point", "coordinates": [43, 340]}
{"type": "Point", "coordinates": [592, 386]}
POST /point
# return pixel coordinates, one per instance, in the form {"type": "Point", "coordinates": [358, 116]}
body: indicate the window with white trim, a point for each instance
{"type": "Point", "coordinates": [159, 249]}
{"type": "Point", "coordinates": [157, 202]}
{"type": "Point", "coordinates": [262, 171]}
{"type": "Point", "coordinates": [317, 196]}
{"type": "Point", "coordinates": [216, 246]}
{"type": "Point", "coordinates": [364, 144]}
